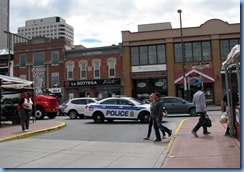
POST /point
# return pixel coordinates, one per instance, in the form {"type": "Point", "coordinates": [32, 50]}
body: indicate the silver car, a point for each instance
{"type": "Point", "coordinates": [176, 105]}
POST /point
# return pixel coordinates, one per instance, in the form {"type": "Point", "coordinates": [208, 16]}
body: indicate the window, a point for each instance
{"type": "Point", "coordinates": [83, 66]}
{"type": "Point", "coordinates": [143, 55]}
{"type": "Point", "coordinates": [226, 46]}
{"type": "Point", "coordinates": [111, 68]}
{"type": "Point", "coordinates": [55, 58]}
{"type": "Point", "coordinates": [55, 79]}
{"type": "Point", "coordinates": [110, 102]}
{"type": "Point", "coordinates": [22, 60]}
{"type": "Point", "coordinates": [70, 67]}
{"type": "Point", "coordinates": [96, 67]}
{"type": "Point", "coordinates": [135, 56]}
{"type": "Point", "coordinates": [148, 55]}
{"type": "Point", "coordinates": [193, 51]}
{"type": "Point", "coordinates": [38, 59]}
{"type": "Point", "coordinates": [161, 54]}
{"type": "Point", "coordinates": [152, 54]}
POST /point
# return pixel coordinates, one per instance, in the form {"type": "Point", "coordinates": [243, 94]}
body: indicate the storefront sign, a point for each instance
{"type": "Point", "coordinates": [3, 64]}
{"type": "Point", "coordinates": [149, 68]}
{"type": "Point", "coordinates": [95, 82]}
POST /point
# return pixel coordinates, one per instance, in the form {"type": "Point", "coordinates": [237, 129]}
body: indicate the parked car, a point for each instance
{"type": "Point", "coordinates": [176, 105]}
{"type": "Point", "coordinates": [75, 107]}
{"type": "Point", "coordinates": [61, 108]}
{"type": "Point", "coordinates": [118, 108]}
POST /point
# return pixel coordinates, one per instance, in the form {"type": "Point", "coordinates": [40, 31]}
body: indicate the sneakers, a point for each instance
{"type": "Point", "coordinates": [164, 137]}
{"type": "Point", "coordinates": [29, 129]}
{"type": "Point", "coordinates": [194, 133]}
{"type": "Point", "coordinates": [146, 138]}
{"type": "Point", "coordinates": [205, 133]}
{"type": "Point", "coordinates": [157, 140]}
{"type": "Point", "coordinates": [170, 133]}
{"type": "Point", "coordinates": [25, 130]}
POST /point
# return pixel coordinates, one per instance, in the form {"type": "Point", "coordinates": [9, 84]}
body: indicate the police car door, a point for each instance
{"type": "Point", "coordinates": [127, 109]}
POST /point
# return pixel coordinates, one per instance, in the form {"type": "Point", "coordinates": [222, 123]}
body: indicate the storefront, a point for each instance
{"type": "Point", "coordinates": [99, 88]}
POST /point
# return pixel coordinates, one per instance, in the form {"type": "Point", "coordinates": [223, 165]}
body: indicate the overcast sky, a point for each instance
{"type": "Point", "coordinates": [99, 23]}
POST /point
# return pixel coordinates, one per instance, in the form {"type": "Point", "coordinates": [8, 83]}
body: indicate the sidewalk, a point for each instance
{"type": "Point", "coordinates": [206, 151]}
{"type": "Point", "coordinates": [11, 132]}
{"type": "Point", "coordinates": [183, 150]}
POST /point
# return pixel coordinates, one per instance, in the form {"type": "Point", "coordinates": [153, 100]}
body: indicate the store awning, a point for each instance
{"type": "Point", "coordinates": [207, 78]}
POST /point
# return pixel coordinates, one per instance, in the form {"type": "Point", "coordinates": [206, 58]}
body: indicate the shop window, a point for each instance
{"type": "Point", "coordinates": [83, 66]}
{"type": "Point", "coordinates": [38, 59]}
{"type": "Point", "coordinates": [96, 68]}
{"type": "Point", "coordinates": [55, 58]}
{"type": "Point", "coordinates": [22, 60]}
{"type": "Point", "coordinates": [70, 69]}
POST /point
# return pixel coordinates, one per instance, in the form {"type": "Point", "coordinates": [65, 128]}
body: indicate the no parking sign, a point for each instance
{"type": "Point", "coordinates": [35, 72]}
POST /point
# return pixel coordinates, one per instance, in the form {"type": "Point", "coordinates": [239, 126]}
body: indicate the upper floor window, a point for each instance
{"type": "Point", "coordinates": [148, 55]}
{"type": "Point", "coordinates": [55, 79]}
{"type": "Point", "coordinates": [22, 60]}
{"type": "Point", "coordinates": [193, 51]}
{"type": "Point", "coordinates": [96, 68]}
{"type": "Point", "coordinates": [83, 67]}
{"type": "Point", "coordinates": [38, 59]}
{"type": "Point", "coordinates": [70, 70]}
{"type": "Point", "coordinates": [111, 68]}
{"type": "Point", "coordinates": [226, 46]}
{"type": "Point", "coordinates": [55, 58]}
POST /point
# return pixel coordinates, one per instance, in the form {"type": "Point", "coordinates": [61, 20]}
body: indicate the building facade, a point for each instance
{"type": "Point", "coordinates": [52, 27]}
{"type": "Point", "coordinates": [4, 26]}
{"type": "Point", "coordinates": [93, 72]}
{"type": "Point", "coordinates": [153, 60]}
{"type": "Point", "coordinates": [41, 60]}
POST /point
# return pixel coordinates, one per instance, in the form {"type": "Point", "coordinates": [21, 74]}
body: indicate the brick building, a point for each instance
{"type": "Point", "coordinates": [153, 60]}
{"type": "Point", "coordinates": [94, 72]}
{"type": "Point", "coordinates": [41, 60]}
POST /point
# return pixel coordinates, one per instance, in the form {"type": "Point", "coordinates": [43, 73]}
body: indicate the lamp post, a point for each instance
{"type": "Point", "coordinates": [183, 56]}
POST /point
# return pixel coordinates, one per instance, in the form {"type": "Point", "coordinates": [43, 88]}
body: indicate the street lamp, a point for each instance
{"type": "Point", "coordinates": [183, 56]}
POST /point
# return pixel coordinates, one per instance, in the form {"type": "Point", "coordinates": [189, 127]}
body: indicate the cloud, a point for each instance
{"type": "Point", "coordinates": [106, 19]}
{"type": "Point", "coordinates": [90, 40]}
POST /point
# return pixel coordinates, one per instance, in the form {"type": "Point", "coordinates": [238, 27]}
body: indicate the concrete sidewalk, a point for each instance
{"type": "Point", "coordinates": [11, 132]}
{"type": "Point", "coordinates": [206, 151]}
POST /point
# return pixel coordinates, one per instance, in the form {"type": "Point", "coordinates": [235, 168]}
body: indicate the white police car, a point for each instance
{"type": "Point", "coordinates": [119, 108]}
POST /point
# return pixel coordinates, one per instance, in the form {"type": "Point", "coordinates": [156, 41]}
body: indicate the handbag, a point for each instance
{"type": "Point", "coordinates": [223, 119]}
{"type": "Point", "coordinates": [207, 121]}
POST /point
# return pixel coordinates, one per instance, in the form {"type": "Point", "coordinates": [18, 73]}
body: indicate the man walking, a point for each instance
{"type": "Point", "coordinates": [201, 109]}
{"type": "Point", "coordinates": [157, 117]}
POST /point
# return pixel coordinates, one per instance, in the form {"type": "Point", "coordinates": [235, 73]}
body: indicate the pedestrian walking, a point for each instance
{"type": "Point", "coordinates": [201, 109]}
{"type": "Point", "coordinates": [157, 117]}
{"type": "Point", "coordinates": [152, 104]}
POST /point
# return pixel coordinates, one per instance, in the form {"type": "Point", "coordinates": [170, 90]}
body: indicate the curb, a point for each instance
{"type": "Point", "coordinates": [166, 150]}
{"type": "Point", "coordinates": [34, 132]}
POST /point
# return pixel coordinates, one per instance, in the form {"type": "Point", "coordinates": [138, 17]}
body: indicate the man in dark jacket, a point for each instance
{"type": "Point", "coordinates": [157, 117]}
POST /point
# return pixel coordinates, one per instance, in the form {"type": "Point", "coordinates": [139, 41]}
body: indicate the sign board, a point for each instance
{"type": "Point", "coordinates": [200, 65]}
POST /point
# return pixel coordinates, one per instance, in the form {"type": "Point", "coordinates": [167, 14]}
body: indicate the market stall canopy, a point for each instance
{"type": "Point", "coordinates": [12, 85]}
{"type": "Point", "coordinates": [233, 56]}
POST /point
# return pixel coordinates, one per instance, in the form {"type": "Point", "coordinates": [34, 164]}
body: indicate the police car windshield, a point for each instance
{"type": "Point", "coordinates": [136, 101]}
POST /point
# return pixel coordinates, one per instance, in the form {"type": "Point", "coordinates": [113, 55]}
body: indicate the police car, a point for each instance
{"type": "Point", "coordinates": [119, 108]}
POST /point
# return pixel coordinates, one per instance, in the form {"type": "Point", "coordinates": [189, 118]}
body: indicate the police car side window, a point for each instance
{"type": "Point", "coordinates": [110, 102]}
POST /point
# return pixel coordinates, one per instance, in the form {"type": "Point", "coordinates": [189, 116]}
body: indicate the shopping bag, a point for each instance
{"type": "Point", "coordinates": [223, 119]}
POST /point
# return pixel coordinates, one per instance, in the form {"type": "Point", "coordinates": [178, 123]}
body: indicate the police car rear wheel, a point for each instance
{"type": "Point", "coordinates": [98, 117]}
{"type": "Point", "coordinates": [144, 117]}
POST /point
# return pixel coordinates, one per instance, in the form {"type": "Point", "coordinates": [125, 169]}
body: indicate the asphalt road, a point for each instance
{"type": "Point", "coordinates": [117, 131]}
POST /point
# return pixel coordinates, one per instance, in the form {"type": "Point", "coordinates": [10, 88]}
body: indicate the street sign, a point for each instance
{"type": "Point", "coordinates": [35, 72]}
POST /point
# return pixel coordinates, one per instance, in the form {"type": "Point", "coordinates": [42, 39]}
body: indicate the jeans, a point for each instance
{"type": "Point", "coordinates": [200, 123]}
{"type": "Point", "coordinates": [158, 125]}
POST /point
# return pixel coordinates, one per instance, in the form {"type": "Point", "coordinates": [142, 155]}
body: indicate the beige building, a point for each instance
{"type": "Point", "coordinates": [154, 61]}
